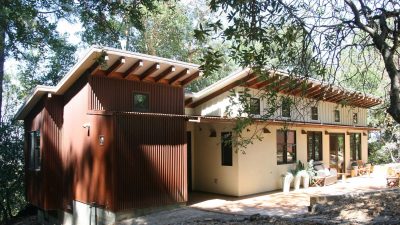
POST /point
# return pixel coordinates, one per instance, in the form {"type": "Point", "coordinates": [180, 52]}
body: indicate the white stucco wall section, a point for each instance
{"type": "Point", "coordinates": [209, 174]}
{"type": "Point", "coordinates": [257, 170]}
{"type": "Point", "coordinates": [302, 112]}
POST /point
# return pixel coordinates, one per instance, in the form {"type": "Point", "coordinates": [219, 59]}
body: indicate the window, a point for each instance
{"type": "Point", "coordinates": [34, 150]}
{"type": "Point", "coordinates": [226, 148]}
{"type": "Point", "coordinates": [355, 118]}
{"type": "Point", "coordinates": [337, 115]}
{"type": "Point", "coordinates": [314, 146]}
{"type": "Point", "coordinates": [255, 106]}
{"type": "Point", "coordinates": [286, 107]}
{"type": "Point", "coordinates": [140, 102]}
{"type": "Point", "coordinates": [286, 146]}
{"type": "Point", "coordinates": [314, 113]}
{"type": "Point", "coordinates": [355, 146]}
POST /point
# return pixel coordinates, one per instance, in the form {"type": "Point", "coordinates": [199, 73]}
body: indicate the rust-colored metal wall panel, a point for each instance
{"type": "Point", "coordinates": [34, 179]}
{"type": "Point", "coordinates": [150, 161]}
{"type": "Point", "coordinates": [42, 187]}
{"type": "Point", "coordinates": [111, 94]}
{"type": "Point", "coordinates": [87, 165]}
{"type": "Point", "coordinates": [51, 151]}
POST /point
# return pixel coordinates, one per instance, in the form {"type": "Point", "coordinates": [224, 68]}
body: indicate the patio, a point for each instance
{"type": "Point", "coordinates": [284, 204]}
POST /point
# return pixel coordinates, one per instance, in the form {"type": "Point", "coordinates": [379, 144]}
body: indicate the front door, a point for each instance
{"type": "Point", "coordinates": [336, 152]}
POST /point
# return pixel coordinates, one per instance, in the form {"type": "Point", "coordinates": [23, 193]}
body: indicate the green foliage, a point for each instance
{"type": "Point", "coordinates": [11, 170]}
{"type": "Point", "coordinates": [299, 167]}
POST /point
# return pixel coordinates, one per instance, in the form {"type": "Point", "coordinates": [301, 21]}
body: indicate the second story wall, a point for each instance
{"type": "Point", "coordinates": [299, 111]}
{"type": "Point", "coordinates": [111, 94]}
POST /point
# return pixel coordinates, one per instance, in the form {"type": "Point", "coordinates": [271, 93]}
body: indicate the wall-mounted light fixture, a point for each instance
{"type": "Point", "coordinates": [365, 133]}
{"type": "Point", "coordinates": [303, 132]}
{"type": "Point", "coordinates": [106, 58]}
{"type": "Point", "coordinates": [266, 131]}
{"type": "Point", "coordinates": [49, 95]}
{"type": "Point", "coordinates": [326, 132]}
{"type": "Point", "coordinates": [213, 133]}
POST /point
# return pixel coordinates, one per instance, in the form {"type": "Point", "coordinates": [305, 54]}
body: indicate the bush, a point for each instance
{"type": "Point", "coordinates": [12, 198]}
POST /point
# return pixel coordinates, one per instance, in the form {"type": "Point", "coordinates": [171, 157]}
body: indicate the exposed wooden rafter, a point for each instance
{"type": "Point", "coordinates": [114, 67]}
{"type": "Point", "coordinates": [220, 91]}
{"type": "Point", "coordinates": [190, 78]}
{"type": "Point", "coordinates": [164, 73]}
{"type": "Point", "coordinates": [149, 71]}
{"type": "Point", "coordinates": [133, 68]}
{"type": "Point", "coordinates": [178, 76]}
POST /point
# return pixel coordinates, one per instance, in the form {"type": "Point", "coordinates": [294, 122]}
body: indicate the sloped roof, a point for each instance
{"type": "Point", "coordinates": [118, 63]}
{"type": "Point", "coordinates": [284, 83]}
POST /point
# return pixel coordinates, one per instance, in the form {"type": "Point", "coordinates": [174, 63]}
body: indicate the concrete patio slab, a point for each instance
{"type": "Point", "coordinates": [286, 204]}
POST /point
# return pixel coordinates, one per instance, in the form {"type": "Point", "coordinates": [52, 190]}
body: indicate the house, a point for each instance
{"type": "Point", "coordinates": [118, 137]}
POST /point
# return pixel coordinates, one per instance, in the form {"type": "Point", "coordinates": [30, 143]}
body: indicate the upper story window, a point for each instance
{"type": "Point", "coordinates": [226, 148]}
{"type": "Point", "coordinates": [140, 102]}
{"type": "Point", "coordinates": [255, 106]}
{"type": "Point", "coordinates": [337, 115]}
{"type": "Point", "coordinates": [355, 118]}
{"type": "Point", "coordinates": [286, 103]}
{"type": "Point", "coordinates": [314, 113]}
{"type": "Point", "coordinates": [34, 150]}
{"type": "Point", "coordinates": [286, 146]}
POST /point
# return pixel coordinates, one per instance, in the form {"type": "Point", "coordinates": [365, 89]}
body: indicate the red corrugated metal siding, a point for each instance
{"type": "Point", "coordinates": [43, 187]}
{"type": "Point", "coordinates": [150, 161]}
{"type": "Point", "coordinates": [34, 179]}
{"type": "Point", "coordinates": [51, 151]}
{"type": "Point", "coordinates": [111, 94]}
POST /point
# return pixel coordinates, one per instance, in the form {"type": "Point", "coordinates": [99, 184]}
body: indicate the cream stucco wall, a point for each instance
{"type": "Point", "coordinates": [209, 174]}
{"type": "Point", "coordinates": [300, 112]}
{"type": "Point", "coordinates": [257, 170]}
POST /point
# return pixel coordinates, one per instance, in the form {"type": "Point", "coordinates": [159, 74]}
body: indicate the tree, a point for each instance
{"type": "Point", "coordinates": [309, 37]}
{"type": "Point", "coordinates": [28, 30]}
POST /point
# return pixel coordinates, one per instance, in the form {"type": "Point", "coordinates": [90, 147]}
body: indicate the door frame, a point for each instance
{"type": "Point", "coordinates": [189, 160]}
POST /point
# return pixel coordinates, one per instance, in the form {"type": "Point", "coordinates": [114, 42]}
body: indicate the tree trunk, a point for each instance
{"type": "Point", "coordinates": [2, 60]}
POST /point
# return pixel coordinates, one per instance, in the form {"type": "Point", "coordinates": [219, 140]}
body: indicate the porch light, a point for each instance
{"type": "Point", "coordinates": [303, 132]}
{"type": "Point", "coordinates": [213, 133]}
{"type": "Point", "coordinates": [266, 131]}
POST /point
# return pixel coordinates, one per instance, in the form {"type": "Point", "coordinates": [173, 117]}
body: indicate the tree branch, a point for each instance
{"type": "Point", "coordinates": [357, 19]}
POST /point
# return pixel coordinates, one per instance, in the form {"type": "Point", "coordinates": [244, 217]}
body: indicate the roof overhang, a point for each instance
{"type": "Point", "coordinates": [117, 63]}
{"type": "Point", "coordinates": [284, 83]}
{"type": "Point", "coordinates": [305, 125]}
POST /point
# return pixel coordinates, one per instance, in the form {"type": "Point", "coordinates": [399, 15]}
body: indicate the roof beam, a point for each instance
{"type": "Point", "coordinates": [190, 78]}
{"type": "Point", "coordinates": [178, 76]}
{"type": "Point", "coordinates": [164, 73]}
{"type": "Point", "coordinates": [188, 101]}
{"type": "Point", "coordinates": [302, 89]}
{"type": "Point", "coordinates": [220, 91]}
{"type": "Point", "coordinates": [114, 67]}
{"type": "Point", "coordinates": [266, 82]}
{"type": "Point", "coordinates": [149, 71]}
{"type": "Point", "coordinates": [133, 68]}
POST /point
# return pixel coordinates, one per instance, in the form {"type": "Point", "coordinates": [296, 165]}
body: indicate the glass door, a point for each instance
{"type": "Point", "coordinates": [337, 152]}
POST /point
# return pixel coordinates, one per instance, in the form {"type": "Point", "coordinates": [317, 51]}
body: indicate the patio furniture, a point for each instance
{"type": "Point", "coordinates": [329, 174]}
{"type": "Point", "coordinates": [392, 181]}
{"type": "Point", "coordinates": [344, 176]}
{"type": "Point", "coordinates": [392, 178]}
{"type": "Point", "coordinates": [317, 181]}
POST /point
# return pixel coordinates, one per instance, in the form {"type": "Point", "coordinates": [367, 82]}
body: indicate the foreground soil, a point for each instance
{"type": "Point", "coordinates": [369, 208]}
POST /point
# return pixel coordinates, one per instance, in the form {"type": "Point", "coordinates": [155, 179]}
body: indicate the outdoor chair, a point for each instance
{"type": "Point", "coordinates": [325, 176]}
{"type": "Point", "coordinates": [392, 178]}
